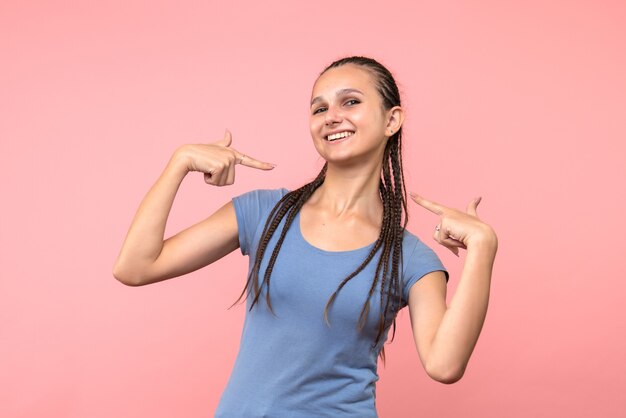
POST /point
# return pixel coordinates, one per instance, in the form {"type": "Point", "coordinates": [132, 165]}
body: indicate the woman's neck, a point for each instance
{"type": "Point", "coordinates": [350, 191]}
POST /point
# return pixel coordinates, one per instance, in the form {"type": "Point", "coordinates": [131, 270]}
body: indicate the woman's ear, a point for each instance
{"type": "Point", "coordinates": [395, 117]}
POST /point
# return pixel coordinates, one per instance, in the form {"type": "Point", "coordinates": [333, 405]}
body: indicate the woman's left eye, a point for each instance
{"type": "Point", "coordinates": [352, 102]}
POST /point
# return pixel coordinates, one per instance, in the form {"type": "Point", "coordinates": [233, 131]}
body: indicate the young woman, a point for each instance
{"type": "Point", "coordinates": [331, 263]}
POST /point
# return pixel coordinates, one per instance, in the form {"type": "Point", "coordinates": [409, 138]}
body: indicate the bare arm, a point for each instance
{"type": "Point", "coordinates": [445, 336]}
{"type": "Point", "coordinates": [145, 256]}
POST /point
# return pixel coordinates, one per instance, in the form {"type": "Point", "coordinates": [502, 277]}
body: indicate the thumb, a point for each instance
{"type": "Point", "coordinates": [471, 208]}
{"type": "Point", "coordinates": [226, 140]}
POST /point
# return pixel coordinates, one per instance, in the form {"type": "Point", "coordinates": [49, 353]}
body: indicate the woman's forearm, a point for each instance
{"type": "Point", "coordinates": [463, 320]}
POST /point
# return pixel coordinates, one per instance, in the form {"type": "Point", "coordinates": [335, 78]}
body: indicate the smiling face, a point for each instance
{"type": "Point", "coordinates": [348, 122]}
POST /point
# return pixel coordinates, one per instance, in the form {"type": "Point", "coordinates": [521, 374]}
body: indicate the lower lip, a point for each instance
{"type": "Point", "coordinates": [340, 140]}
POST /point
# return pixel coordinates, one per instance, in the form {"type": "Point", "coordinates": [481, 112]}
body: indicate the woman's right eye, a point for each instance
{"type": "Point", "coordinates": [318, 110]}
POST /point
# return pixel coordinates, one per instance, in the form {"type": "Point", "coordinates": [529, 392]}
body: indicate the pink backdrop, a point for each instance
{"type": "Point", "coordinates": [520, 102]}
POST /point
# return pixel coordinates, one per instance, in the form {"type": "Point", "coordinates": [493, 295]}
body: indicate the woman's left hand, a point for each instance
{"type": "Point", "coordinates": [457, 229]}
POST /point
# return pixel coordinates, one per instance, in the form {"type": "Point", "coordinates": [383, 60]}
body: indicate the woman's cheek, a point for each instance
{"type": "Point", "coordinates": [318, 145]}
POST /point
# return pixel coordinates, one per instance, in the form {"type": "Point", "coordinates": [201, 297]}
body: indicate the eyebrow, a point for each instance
{"type": "Point", "coordinates": [339, 93]}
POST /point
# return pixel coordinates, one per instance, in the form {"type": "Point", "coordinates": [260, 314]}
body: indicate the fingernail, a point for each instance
{"type": "Point", "coordinates": [412, 194]}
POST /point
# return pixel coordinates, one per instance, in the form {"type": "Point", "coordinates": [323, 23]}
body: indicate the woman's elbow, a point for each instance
{"type": "Point", "coordinates": [125, 277]}
{"type": "Point", "coordinates": [446, 375]}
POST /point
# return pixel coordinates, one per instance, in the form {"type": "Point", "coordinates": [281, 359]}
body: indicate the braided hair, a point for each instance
{"type": "Point", "coordinates": [393, 197]}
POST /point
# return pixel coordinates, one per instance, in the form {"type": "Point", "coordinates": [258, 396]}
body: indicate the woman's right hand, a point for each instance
{"type": "Point", "coordinates": [217, 160]}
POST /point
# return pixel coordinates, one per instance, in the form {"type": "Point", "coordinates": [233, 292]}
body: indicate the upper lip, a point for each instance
{"type": "Point", "coordinates": [338, 132]}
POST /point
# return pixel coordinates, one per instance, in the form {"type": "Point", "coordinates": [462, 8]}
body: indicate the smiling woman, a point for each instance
{"type": "Point", "coordinates": [334, 253]}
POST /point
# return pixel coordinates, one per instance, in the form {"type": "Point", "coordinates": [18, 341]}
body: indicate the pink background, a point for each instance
{"type": "Point", "coordinates": [521, 102]}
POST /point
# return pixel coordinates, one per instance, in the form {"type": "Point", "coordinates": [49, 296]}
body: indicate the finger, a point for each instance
{"type": "Point", "coordinates": [223, 176]}
{"type": "Point", "coordinates": [214, 176]}
{"type": "Point", "coordinates": [437, 234]}
{"type": "Point", "coordinates": [451, 242]}
{"type": "Point", "coordinates": [226, 140]}
{"type": "Point", "coordinates": [210, 178]}
{"type": "Point", "coordinates": [471, 207]}
{"type": "Point", "coordinates": [427, 204]}
{"type": "Point", "coordinates": [253, 162]}
{"type": "Point", "coordinates": [446, 242]}
{"type": "Point", "coordinates": [230, 178]}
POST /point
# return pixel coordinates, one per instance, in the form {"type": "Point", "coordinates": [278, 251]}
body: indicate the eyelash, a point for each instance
{"type": "Point", "coordinates": [316, 111]}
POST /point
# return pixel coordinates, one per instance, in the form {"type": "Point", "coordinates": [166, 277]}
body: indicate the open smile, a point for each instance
{"type": "Point", "coordinates": [338, 135]}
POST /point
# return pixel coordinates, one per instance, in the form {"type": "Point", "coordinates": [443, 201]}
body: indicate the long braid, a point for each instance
{"type": "Point", "coordinates": [384, 258]}
{"type": "Point", "coordinates": [384, 227]}
{"type": "Point", "coordinates": [389, 242]}
{"type": "Point", "coordinates": [290, 203]}
{"type": "Point", "coordinates": [399, 224]}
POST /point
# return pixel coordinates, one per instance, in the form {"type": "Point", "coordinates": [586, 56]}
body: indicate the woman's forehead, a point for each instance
{"type": "Point", "coordinates": [343, 78]}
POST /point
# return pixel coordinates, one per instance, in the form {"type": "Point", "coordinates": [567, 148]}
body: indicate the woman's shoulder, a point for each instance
{"type": "Point", "coordinates": [413, 246]}
{"type": "Point", "coordinates": [418, 257]}
{"type": "Point", "coordinates": [410, 239]}
{"type": "Point", "coordinates": [265, 194]}
{"type": "Point", "coordinates": [260, 199]}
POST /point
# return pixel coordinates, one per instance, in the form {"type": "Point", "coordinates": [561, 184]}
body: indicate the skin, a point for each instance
{"type": "Point", "coordinates": [343, 214]}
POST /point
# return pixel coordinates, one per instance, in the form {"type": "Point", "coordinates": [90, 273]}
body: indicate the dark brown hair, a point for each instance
{"type": "Point", "coordinates": [393, 196]}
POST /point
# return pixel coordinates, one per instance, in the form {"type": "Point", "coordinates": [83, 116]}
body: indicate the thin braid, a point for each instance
{"type": "Point", "coordinates": [398, 229]}
{"type": "Point", "coordinates": [396, 158]}
{"type": "Point", "coordinates": [276, 215]}
{"type": "Point", "coordinates": [391, 247]}
{"type": "Point", "coordinates": [300, 196]}
{"type": "Point", "coordinates": [388, 240]}
{"type": "Point", "coordinates": [270, 267]}
{"type": "Point", "coordinates": [284, 206]}
{"type": "Point", "coordinates": [384, 227]}
{"type": "Point", "coordinates": [377, 245]}
{"type": "Point", "coordinates": [400, 224]}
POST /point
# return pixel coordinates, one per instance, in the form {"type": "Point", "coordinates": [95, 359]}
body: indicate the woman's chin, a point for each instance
{"type": "Point", "coordinates": [365, 162]}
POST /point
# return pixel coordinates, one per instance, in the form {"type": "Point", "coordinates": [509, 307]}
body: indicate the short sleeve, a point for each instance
{"type": "Point", "coordinates": [252, 209]}
{"type": "Point", "coordinates": [421, 261]}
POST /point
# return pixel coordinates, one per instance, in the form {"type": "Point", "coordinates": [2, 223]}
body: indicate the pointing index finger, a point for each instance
{"type": "Point", "coordinates": [427, 204]}
{"type": "Point", "coordinates": [248, 161]}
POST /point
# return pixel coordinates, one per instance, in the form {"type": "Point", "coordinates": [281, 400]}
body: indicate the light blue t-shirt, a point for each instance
{"type": "Point", "coordinates": [293, 365]}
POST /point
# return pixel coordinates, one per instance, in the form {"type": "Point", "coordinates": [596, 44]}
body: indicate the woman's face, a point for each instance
{"type": "Point", "coordinates": [347, 120]}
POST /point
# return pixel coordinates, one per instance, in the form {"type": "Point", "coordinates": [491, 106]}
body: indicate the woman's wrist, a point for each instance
{"type": "Point", "coordinates": [485, 241]}
{"type": "Point", "coordinates": [179, 163]}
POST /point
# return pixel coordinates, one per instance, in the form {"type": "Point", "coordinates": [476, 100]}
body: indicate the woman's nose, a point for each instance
{"type": "Point", "coordinates": [332, 116]}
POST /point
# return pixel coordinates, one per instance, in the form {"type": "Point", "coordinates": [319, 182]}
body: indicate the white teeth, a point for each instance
{"type": "Point", "coordinates": [339, 135]}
